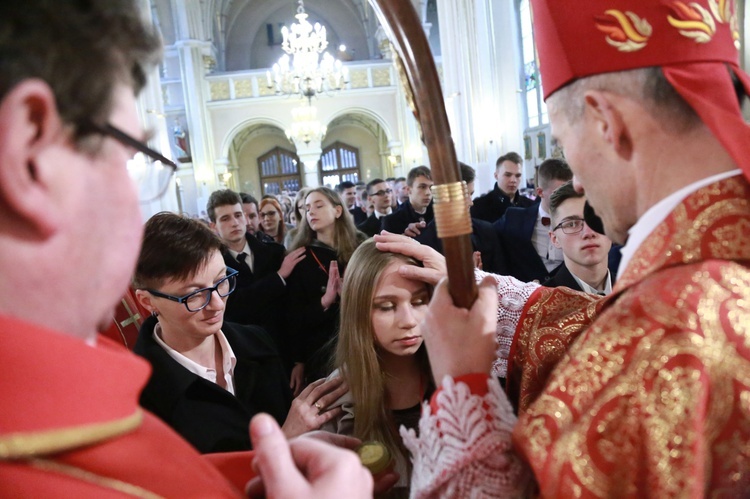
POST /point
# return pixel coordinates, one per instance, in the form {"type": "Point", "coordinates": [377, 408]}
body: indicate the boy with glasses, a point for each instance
{"type": "Point", "coordinates": [584, 250]}
{"type": "Point", "coordinates": [379, 195]}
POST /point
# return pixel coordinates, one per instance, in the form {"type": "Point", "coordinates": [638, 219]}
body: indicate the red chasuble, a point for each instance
{"type": "Point", "coordinates": [646, 392]}
{"type": "Point", "coordinates": [70, 425]}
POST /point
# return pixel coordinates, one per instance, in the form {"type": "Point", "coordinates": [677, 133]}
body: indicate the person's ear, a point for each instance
{"type": "Point", "coordinates": [30, 136]}
{"type": "Point", "coordinates": [553, 238]}
{"type": "Point", "coordinates": [144, 298]}
{"type": "Point", "coordinates": [539, 192]}
{"type": "Point", "coordinates": [339, 211]}
{"type": "Point", "coordinates": [609, 122]}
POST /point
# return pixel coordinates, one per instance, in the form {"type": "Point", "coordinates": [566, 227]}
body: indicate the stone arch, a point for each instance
{"type": "Point", "coordinates": [367, 113]}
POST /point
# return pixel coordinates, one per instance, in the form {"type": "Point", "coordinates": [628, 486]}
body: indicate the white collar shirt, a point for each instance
{"type": "Point", "coordinates": [229, 361]}
{"type": "Point", "coordinates": [592, 290]}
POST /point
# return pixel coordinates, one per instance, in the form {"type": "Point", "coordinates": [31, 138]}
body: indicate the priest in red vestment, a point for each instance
{"type": "Point", "coordinates": [70, 230]}
{"type": "Point", "coordinates": [645, 392]}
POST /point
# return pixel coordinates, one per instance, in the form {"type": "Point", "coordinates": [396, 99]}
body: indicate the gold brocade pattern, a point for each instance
{"type": "Point", "coordinates": [546, 343]}
{"type": "Point", "coordinates": [646, 392]}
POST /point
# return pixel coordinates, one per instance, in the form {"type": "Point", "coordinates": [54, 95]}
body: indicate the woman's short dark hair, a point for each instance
{"type": "Point", "coordinates": [174, 248]}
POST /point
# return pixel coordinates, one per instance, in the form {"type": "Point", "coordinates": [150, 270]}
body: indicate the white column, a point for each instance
{"type": "Point", "coordinates": [309, 155]}
{"type": "Point", "coordinates": [478, 40]}
{"type": "Point", "coordinates": [151, 114]}
{"type": "Point", "coordinates": [192, 45]}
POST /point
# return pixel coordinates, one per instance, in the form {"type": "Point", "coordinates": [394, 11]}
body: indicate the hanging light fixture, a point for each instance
{"type": "Point", "coordinates": [305, 127]}
{"type": "Point", "coordinates": [302, 70]}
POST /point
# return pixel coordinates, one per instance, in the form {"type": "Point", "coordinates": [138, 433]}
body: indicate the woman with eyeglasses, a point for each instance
{"type": "Point", "coordinates": [329, 236]}
{"type": "Point", "coordinates": [209, 376]}
{"type": "Point", "coordinates": [272, 218]}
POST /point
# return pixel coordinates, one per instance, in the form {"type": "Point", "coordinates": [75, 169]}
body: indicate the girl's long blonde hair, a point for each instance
{"type": "Point", "coordinates": [357, 356]}
{"type": "Point", "coordinates": [346, 237]}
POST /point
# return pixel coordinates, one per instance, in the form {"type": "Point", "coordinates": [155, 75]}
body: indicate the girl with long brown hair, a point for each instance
{"type": "Point", "coordinates": [380, 354]}
{"type": "Point", "coordinates": [329, 236]}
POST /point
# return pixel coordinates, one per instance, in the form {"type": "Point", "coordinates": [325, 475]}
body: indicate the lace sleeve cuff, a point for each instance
{"type": "Point", "coordinates": [512, 296]}
{"type": "Point", "coordinates": [464, 447]}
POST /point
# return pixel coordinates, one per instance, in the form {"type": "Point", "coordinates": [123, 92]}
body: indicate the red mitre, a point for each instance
{"type": "Point", "coordinates": [695, 43]}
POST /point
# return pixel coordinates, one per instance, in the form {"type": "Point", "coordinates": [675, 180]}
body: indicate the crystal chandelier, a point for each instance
{"type": "Point", "coordinates": [302, 71]}
{"type": "Point", "coordinates": [305, 126]}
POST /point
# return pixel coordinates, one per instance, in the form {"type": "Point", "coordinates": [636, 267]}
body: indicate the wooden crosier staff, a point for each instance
{"type": "Point", "coordinates": [405, 32]}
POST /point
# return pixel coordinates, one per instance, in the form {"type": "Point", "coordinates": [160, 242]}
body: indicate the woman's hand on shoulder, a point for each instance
{"type": "Point", "coordinates": [310, 411]}
{"type": "Point", "coordinates": [291, 261]}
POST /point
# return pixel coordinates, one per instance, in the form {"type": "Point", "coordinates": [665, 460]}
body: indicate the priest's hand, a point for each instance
{"type": "Point", "coordinates": [303, 467]}
{"type": "Point", "coordinates": [434, 263]}
{"type": "Point", "coordinates": [461, 341]}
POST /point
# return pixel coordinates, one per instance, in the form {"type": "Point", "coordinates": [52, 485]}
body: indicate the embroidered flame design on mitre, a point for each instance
{"type": "Point", "coordinates": [693, 21]}
{"type": "Point", "coordinates": [625, 30]}
{"type": "Point", "coordinates": [725, 11]}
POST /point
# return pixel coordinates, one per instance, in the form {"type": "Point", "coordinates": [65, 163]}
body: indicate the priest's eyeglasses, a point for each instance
{"type": "Point", "coordinates": [150, 170]}
{"type": "Point", "coordinates": [199, 299]}
{"type": "Point", "coordinates": [570, 226]}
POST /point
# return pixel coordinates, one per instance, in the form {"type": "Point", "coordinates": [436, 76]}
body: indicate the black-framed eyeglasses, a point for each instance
{"type": "Point", "coordinates": [570, 226]}
{"type": "Point", "coordinates": [382, 192]}
{"type": "Point", "coordinates": [199, 299]}
{"type": "Point", "coordinates": [152, 174]}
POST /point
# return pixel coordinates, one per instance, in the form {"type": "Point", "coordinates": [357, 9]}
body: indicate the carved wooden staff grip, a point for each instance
{"type": "Point", "coordinates": [405, 32]}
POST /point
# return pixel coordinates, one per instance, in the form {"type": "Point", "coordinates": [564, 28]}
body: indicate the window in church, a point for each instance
{"type": "Point", "coordinates": [338, 163]}
{"type": "Point", "coordinates": [536, 109]}
{"type": "Point", "coordinates": [279, 171]}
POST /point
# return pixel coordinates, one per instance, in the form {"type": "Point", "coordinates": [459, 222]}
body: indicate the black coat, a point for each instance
{"type": "Point", "coordinates": [205, 414]}
{"type": "Point", "coordinates": [562, 277]}
{"type": "Point", "coordinates": [358, 215]}
{"type": "Point", "coordinates": [399, 220]}
{"type": "Point", "coordinates": [483, 239]}
{"type": "Point", "coordinates": [514, 230]}
{"type": "Point", "coordinates": [309, 328]}
{"type": "Point", "coordinates": [259, 296]}
{"type": "Point", "coordinates": [492, 206]}
{"type": "Point", "coordinates": [371, 225]}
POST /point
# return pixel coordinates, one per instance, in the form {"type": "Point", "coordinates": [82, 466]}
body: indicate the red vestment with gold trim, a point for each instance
{"type": "Point", "coordinates": [644, 393]}
{"type": "Point", "coordinates": [70, 425]}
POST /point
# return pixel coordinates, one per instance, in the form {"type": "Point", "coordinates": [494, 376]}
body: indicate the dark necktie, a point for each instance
{"type": "Point", "coordinates": [241, 258]}
{"type": "Point", "coordinates": [546, 221]}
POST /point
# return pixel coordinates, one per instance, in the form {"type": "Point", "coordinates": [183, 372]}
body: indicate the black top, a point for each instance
{"type": "Point", "coordinates": [492, 206]}
{"type": "Point", "coordinates": [308, 327]}
{"type": "Point", "coordinates": [259, 293]}
{"type": "Point", "coordinates": [358, 215]}
{"type": "Point", "coordinates": [483, 239]}
{"type": "Point", "coordinates": [204, 413]}
{"type": "Point", "coordinates": [399, 220]}
{"type": "Point", "coordinates": [515, 230]}
{"type": "Point", "coordinates": [371, 225]}
{"type": "Point", "coordinates": [562, 278]}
